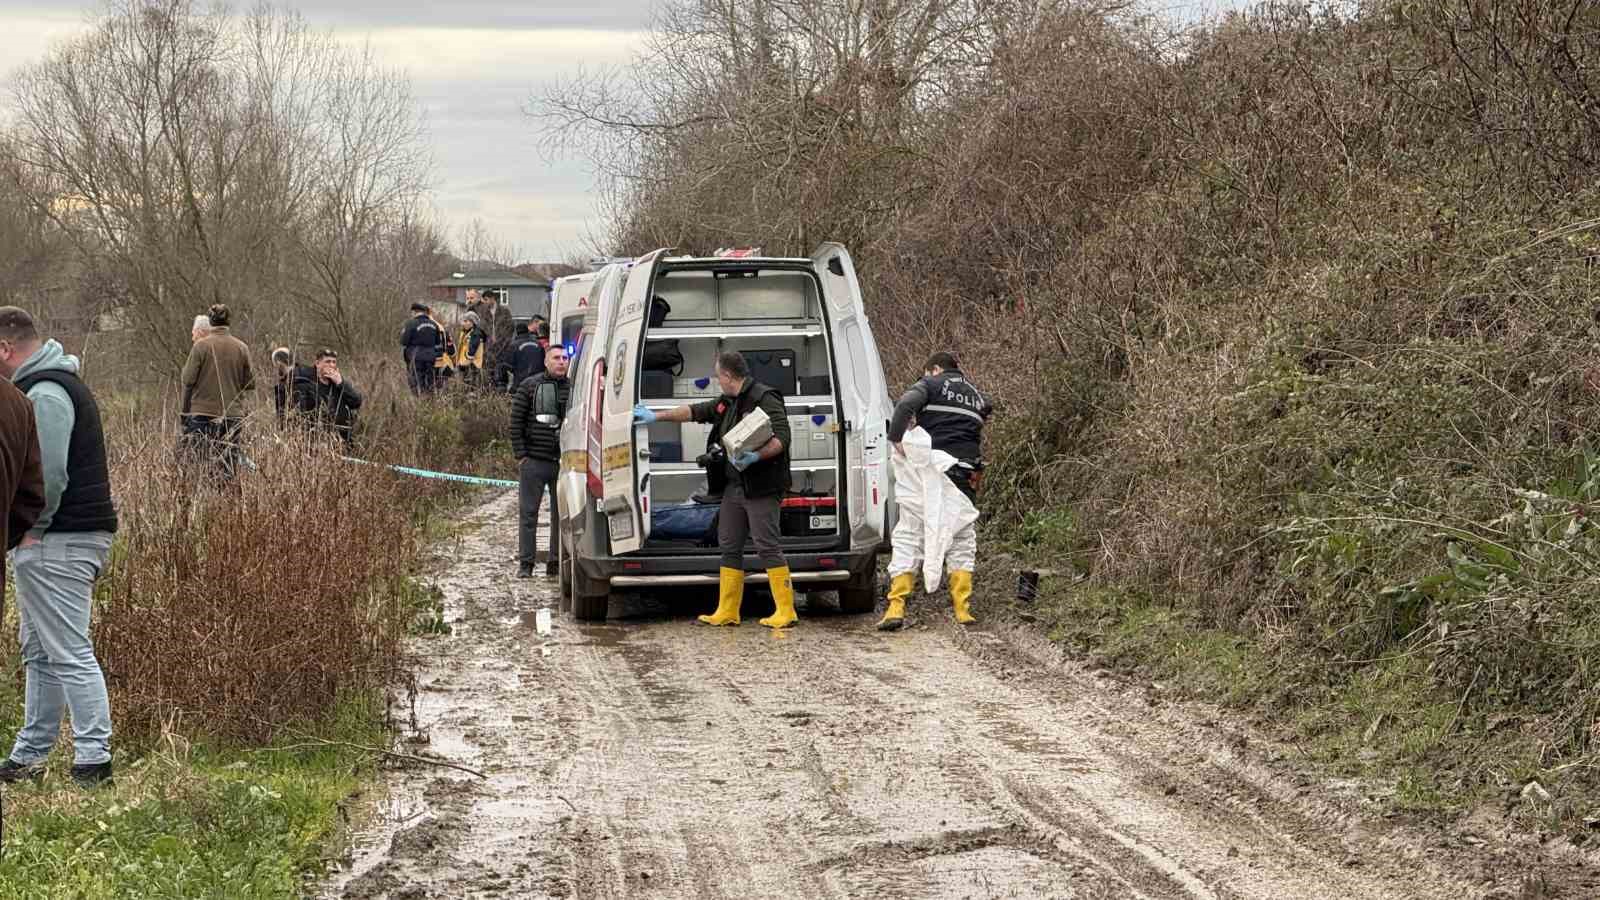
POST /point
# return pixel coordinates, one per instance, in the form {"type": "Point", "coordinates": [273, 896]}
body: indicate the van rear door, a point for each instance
{"type": "Point", "coordinates": [863, 395]}
{"type": "Point", "coordinates": [626, 454]}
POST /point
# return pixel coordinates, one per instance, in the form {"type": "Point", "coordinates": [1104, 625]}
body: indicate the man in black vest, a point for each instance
{"type": "Point", "coordinates": [953, 412]}
{"type": "Point", "coordinates": [421, 342]}
{"type": "Point", "coordinates": [537, 408]}
{"type": "Point", "coordinates": [755, 483]}
{"type": "Point", "coordinates": [59, 559]}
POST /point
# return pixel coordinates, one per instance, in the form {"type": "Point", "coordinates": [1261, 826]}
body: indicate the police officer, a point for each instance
{"type": "Point", "coordinates": [953, 412]}
{"type": "Point", "coordinates": [753, 483]}
{"type": "Point", "coordinates": [421, 342]}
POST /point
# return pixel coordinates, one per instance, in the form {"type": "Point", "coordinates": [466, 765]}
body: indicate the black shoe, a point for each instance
{"type": "Point", "coordinates": [552, 569]}
{"type": "Point", "coordinates": [92, 776]}
{"type": "Point", "coordinates": [13, 772]}
{"type": "Point", "coordinates": [526, 571]}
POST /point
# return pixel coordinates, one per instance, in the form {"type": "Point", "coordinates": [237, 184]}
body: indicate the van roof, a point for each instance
{"type": "Point", "coordinates": [739, 260]}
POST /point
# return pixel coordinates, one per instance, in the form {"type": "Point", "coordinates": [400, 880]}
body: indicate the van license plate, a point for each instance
{"type": "Point", "coordinates": [824, 523]}
{"type": "Point", "coordinates": [621, 524]}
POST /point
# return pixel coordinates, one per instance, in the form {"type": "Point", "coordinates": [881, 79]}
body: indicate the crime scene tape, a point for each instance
{"type": "Point", "coordinates": [440, 476]}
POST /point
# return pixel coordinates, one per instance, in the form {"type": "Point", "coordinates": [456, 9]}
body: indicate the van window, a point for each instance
{"type": "Point", "coordinates": [571, 327]}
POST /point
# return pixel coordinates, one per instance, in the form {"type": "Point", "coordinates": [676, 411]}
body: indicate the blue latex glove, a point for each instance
{"type": "Point", "coordinates": [643, 415]}
{"type": "Point", "coordinates": [746, 459]}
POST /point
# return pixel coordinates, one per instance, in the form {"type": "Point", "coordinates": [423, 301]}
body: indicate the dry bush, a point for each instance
{"type": "Point", "coordinates": [243, 608]}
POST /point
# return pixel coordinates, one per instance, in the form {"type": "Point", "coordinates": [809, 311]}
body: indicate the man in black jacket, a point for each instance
{"type": "Point", "coordinates": [421, 342]}
{"type": "Point", "coordinates": [537, 408]}
{"type": "Point", "coordinates": [953, 412]}
{"type": "Point", "coordinates": [755, 484]}
{"type": "Point", "coordinates": [334, 399]}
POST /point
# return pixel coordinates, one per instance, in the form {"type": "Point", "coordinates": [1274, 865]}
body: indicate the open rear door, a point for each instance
{"type": "Point", "coordinates": [625, 459]}
{"type": "Point", "coordinates": [863, 395]}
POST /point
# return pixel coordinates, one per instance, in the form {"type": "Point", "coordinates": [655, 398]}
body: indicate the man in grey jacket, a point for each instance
{"type": "Point", "coordinates": [57, 562]}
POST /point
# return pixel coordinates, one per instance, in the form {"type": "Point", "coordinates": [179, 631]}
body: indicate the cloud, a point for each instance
{"type": "Point", "coordinates": [472, 83]}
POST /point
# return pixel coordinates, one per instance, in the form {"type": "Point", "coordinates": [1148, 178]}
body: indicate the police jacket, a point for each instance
{"type": "Point", "coordinates": [527, 357]}
{"type": "Point", "coordinates": [950, 409]}
{"type": "Point", "coordinates": [541, 395]}
{"type": "Point", "coordinates": [769, 477]}
{"type": "Point", "coordinates": [422, 339]}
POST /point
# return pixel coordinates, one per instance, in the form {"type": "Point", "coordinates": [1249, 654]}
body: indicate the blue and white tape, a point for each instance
{"type": "Point", "coordinates": [439, 476]}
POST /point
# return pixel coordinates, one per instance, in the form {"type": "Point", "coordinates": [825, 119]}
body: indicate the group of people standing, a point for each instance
{"type": "Point", "coordinates": [218, 380]}
{"type": "Point", "coordinates": [60, 519]}
{"type": "Point", "coordinates": [433, 355]}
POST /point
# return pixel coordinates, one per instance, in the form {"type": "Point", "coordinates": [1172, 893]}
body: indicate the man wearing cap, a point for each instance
{"type": "Point", "coordinates": [421, 342]}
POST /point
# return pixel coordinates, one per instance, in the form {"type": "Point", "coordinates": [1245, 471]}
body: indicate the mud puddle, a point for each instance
{"type": "Point", "coordinates": [652, 757]}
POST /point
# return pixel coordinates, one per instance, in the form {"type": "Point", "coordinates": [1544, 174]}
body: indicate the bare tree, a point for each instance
{"type": "Point", "coordinates": [197, 156]}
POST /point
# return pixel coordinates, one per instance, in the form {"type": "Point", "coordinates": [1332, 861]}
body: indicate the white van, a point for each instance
{"type": "Point", "coordinates": [801, 324]}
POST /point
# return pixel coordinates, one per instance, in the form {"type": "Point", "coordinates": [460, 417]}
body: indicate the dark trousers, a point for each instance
{"type": "Point", "coordinates": [538, 478]}
{"type": "Point", "coordinates": [206, 439]}
{"type": "Point", "coordinates": [963, 479]}
{"type": "Point", "coordinates": [421, 376]}
{"type": "Point", "coordinates": [744, 518]}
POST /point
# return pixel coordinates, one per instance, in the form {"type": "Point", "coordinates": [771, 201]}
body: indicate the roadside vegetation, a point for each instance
{"type": "Point", "coordinates": [1290, 315]}
{"type": "Point", "coordinates": [251, 635]}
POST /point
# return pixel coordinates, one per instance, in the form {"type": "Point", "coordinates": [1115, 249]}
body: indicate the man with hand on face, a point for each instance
{"type": "Point", "coordinates": [755, 484]}
{"type": "Point", "coordinates": [336, 400]}
{"type": "Point", "coordinates": [537, 408]}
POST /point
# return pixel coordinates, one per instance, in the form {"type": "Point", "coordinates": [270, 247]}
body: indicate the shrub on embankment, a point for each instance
{"type": "Point", "coordinates": [1288, 314]}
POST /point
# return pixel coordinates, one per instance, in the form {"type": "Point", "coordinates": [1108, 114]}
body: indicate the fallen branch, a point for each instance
{"type": "Point", "coordinates": [318, 742]}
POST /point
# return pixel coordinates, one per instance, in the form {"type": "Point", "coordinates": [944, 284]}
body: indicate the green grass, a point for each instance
{"type": "Point", "coordinates": [1384, 723]}
{"type": "Point", "coordinates": [185, 820]}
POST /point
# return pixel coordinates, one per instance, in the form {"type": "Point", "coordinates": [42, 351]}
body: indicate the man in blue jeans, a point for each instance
{"type": "Point", "coordinates": [58, 561]}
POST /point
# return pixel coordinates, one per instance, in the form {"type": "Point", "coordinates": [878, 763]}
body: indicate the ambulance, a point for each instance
{"type": "Point", "coordinates": [633, 504]}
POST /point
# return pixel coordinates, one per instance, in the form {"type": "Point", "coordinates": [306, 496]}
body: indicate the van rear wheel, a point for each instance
{"type": "Point", "coordinates": [859, 595]}
{"type": "Point", "coordinates": [590, 596]}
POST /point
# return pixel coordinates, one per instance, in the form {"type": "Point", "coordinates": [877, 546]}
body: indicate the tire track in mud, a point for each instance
{"type": "Point", "coordinates": [652, 757]}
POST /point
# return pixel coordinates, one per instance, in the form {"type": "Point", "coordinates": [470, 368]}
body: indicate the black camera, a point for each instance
{"type": "Point", "coordinates": [712, 458]}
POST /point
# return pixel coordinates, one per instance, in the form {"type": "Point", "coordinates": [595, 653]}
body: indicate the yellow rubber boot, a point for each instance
{"type": "Point", "coordinates": [894, 618]}
{"type": "Point", "coordinates": [728, 603]}
{"type": "Point", "coordinates": [782, 597]}
{"type": "Point", "coordinates": [960, 595]}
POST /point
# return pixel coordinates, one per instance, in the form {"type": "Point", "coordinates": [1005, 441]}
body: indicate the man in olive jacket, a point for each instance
{"type": "Point", "coordinates": [215, 379]}
{"type": "Point", "coordinates": [21, 477]}
{"type": "Point", "coordinates": [755, 484]}
{"type": "Point", "coordinates": [537, 408]}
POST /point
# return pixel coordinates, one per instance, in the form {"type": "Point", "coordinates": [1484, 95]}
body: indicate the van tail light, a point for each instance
{"type": "Point", "coordinates": [597, 416]}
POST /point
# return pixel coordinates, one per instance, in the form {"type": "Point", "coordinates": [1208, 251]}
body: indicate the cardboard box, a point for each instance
{"type": "Point", "coordinates": [696, 439]}
{"type": "Point", "coordinates": [823, 436]}
{"type": "Point", "coordinates": [752, 433]}
{"type": "Point", "coordinates": [800, 443]}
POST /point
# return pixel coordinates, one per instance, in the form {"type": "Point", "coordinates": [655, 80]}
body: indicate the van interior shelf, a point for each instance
{"type": "Point", "coordinates": [689, 468]}
{"type": "Point", "coordinates": [730, 331]}
{"type": "Point", "coordinates": [676, 402]}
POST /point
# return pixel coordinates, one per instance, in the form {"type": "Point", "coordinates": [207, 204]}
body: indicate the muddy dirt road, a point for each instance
{"type": "Point", "coordinates": [651, 757]}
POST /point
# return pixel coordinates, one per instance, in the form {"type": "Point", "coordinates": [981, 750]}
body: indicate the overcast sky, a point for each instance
{"type": "Point", "coordinates": [473, 65]}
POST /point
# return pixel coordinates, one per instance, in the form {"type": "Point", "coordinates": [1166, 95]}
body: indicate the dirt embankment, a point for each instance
{"type": "Point", "coordinates": [652, 757]}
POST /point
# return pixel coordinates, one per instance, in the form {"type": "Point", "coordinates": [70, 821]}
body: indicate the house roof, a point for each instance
{"type": "Point", "coordinates": [490, 280]}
